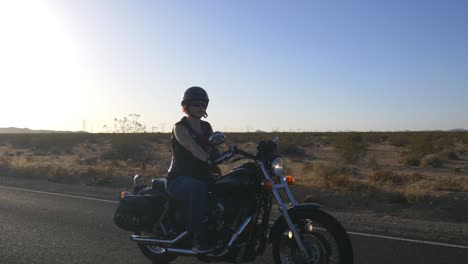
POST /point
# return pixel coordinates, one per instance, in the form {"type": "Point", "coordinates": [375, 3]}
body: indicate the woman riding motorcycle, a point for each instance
{"type": "Point", "coordinates": [191, 170]}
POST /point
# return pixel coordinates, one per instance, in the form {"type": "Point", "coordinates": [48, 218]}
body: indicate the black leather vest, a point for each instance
{"type": "Point", "coordinates": [183, 162]}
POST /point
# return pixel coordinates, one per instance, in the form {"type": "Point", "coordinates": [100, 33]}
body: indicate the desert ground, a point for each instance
{"type": "Point", "coordinates": [410, 176]}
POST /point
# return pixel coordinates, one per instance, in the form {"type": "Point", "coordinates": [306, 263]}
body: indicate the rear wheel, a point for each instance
{"type": "Point", "coordinates": [326, 242]}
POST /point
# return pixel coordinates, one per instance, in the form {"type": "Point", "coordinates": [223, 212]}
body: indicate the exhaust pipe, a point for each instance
{"type": "Point", "coordinates": [153, 241]}
{"type": "Point", "coordinates": [187, 252]}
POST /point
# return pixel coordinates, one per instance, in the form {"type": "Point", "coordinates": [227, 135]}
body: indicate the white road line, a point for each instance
{"type": "Point", "coordinates": [351, 233]}
{"type": "Point", "coordinates": [409, 240]}
{"type": "Point", "coordinates": [59, 194]}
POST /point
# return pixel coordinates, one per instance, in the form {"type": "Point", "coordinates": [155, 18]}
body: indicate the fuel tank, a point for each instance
{"type": "Point", "coordinates": [239, 182]}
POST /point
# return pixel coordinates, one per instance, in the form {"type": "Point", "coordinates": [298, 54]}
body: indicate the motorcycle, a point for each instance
{"type": "Point", "coordinates": [239, 216]}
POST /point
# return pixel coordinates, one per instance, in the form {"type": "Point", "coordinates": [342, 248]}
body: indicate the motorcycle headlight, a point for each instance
{"type": "Point", "coordinates": [277, 166]}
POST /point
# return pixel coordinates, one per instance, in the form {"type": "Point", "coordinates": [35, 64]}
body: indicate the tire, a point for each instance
{"type": "Point", "coordinates": [327, 243]}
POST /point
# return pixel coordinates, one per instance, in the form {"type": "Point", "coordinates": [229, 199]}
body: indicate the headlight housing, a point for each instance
{"type": "Point", "coordinates": [277, 166]}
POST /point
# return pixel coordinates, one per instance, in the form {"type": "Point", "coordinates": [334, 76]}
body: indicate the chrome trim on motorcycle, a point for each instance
{"type": "Point", "coordinates": [239, 231]}
{"type": "Point", "coordinates": [181, 251]}
{"type": "Point", "coordinates": [233, 238]}
{"type": "Point", "coordinates": [288, 192]}
{"type": "Point", "coordinates": [284, 210]}
{"type": "Point", "coordinates": [156, 250]}
{"type": "Point", "coordinates": [153, 241]}
{"type": "Point", "coordinates": [226, 249]}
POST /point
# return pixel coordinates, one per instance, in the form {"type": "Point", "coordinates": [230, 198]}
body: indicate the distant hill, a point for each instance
{"type": "Point", "coordinates": [457, 129]}
{"type": "Point", "coordinates": [15, 130]}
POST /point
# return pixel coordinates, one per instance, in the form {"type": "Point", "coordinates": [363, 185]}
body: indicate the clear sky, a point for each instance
{"type": "Point", "coordinates": [268, 65]}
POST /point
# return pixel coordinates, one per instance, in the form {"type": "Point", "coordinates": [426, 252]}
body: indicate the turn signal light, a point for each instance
{"type": "Point", "coordinates": [122, 194]}
{"type": "Point", "coordinates": [290, 180]}
{"type": "Point", "coordinates": [267, 185]}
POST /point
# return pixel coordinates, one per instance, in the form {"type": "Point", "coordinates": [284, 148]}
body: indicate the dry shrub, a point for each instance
{"type": "Point", "coordinates": [399, 139]}
{"type": "Point", "coordinates": [96, 176]}
{"type": "Point", "coordinates": [386, 176]}
{"type": "Point", "coordinates": [450, 154]}
{"type": "Point", "coordinates": [351, 146]}
{"type": "Point", "coordinates": [372, 164]}
{"type": "Point", "coordinates": [331, 177]}
{"type": "Point", "coordinates": [292, 151]}
{"type": "Point", "coordinates": [126, 147]}
{"type": "Point", "coordinates": [29, 171]}
{"type": "Point", "coordinates": [413, 193]}
{"type": "Point", "coordinates": [410, 159]}
{"type": "Point", "coordinates": [449, 185]}
{"type": "Point", "coordinates": [48, 143]}
{"type": "Point", "coordinates": [4, 165]}
{"type": "Point", "coordinates": [57, 174]}
{"type": "Point", "coordinates": [431, 160]}
{"type": "Point", "coordinates": [421, 143]}
{"type": "Point", "coordinates": [307, 168]}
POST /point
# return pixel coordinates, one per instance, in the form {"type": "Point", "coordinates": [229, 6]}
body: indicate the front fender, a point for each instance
{"type": "Point", "coordinates": [293, 212]}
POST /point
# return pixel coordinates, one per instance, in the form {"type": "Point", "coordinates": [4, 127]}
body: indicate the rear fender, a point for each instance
{"type": "Point", "coordinates": [294, 213]}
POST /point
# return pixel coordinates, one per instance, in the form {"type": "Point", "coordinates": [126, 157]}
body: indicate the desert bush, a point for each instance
{"type": "Point", "coordinates": [126, 147]}
{"type": "Point", "coordinates": [399, 139]}
{"type": "Point", "coordinates": [450, 154]}
{"type": "Point", "coordinates": [4, 164]}
{"type": "Point", "coordinates": [130, 124]}
{"type": "Point", "coordinates": [88, 161]}
{"type": "Point", "coordinates": [376, 137]}
{"type": "Point", "coordinates": [410, 159]}
{"type": "Point", "coordinates": [46, 143]}
{"type": "Point", "coordinates": [292, 151]}
{"type": "Point", "coordinates": [307, 168]}
{"type": "Point", "coordinates": [96, 176]}
{"type": "Point", "coordinates": [331, 177]}
{"type": "Point", "coordinates": [464, 138]}
{"type": "Point", "coordinates": [57, 174]}
{"type": "Point", "coordinates": [29, 171]}
{"type": "Point", "coordinates": [444, 142]}
{"type": "Point", "coordinates": [450, 184]}
{"type": "Point", "coordinates": [351, 146]}
{"type": "Point", "coordinates": [386, 176]}
{"type": "Point", "coordinates": [372, 164]}
{"type": "Point", "coordinates": [431, 160]}
{"type": "Point", "coordinates": [421, 143]}
{"type": "Point", "coordinates": [413, 193]}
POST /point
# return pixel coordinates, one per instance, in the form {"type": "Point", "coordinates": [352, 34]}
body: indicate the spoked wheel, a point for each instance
{"type": "Point", "coordinates": [325, 240]}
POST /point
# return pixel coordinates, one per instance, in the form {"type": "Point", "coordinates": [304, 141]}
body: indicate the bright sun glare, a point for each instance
{"type": "Point", "coordinates": [38, 67]}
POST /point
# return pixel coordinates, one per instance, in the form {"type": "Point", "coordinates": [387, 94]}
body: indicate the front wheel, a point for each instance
{"type": "Point", "coordinates": [323, 237]}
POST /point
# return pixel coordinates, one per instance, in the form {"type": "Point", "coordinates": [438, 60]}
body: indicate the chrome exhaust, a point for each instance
{"type": "Point", "coordinates": [188, 252]}
{"type": "Point", "coordinates": [154, 241]}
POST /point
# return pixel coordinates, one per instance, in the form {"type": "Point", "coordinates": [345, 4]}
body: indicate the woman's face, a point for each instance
{"type": "Point", "coordinates": [198, 108]}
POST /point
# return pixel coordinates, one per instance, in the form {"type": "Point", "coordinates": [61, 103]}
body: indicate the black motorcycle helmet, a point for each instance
{"type": "Point", "coordinates": [194, 93]}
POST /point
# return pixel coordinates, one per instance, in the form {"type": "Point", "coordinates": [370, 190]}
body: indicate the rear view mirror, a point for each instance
{"type": "Point", "coordinates": [217, 138]}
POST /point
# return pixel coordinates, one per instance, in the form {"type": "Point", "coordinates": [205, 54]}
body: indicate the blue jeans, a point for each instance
{"type": "Point", "coordinates": [193, 193]}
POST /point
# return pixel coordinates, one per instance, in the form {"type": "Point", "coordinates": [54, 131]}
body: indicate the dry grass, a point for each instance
{"type": "Point", "coordinates": [431, 160]}
{"type": "Point", "coordinates": [450, 184]}
{"type": "Point", "coordinates": [386, 167]}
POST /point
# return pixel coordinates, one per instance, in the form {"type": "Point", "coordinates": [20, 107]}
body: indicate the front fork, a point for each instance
{"type": "Point", "coordinates": [284, 210]}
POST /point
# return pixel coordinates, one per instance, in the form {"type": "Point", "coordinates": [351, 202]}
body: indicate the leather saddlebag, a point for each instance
{"type": "Point", "coordinates": [139, 212]}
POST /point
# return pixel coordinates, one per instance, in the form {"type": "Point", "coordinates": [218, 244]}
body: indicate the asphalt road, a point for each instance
{"type": "Point", "coordinates": [45, 228]}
